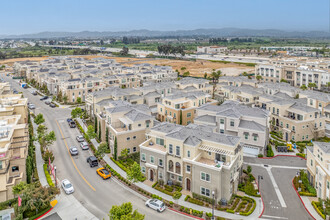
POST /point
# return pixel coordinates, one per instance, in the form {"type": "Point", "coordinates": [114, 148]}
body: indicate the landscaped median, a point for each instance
{"type": "Point", "coordinates": [48, 177]}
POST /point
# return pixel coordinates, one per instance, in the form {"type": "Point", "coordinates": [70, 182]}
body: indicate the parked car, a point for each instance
{"type": "Point", "coordinates": [73, 151]}
{"type": "Point", "coordinates": [72, 124]}
{"type": "Point", "coordinates": [31, 106]}
{"type": "Point", "coordinates": [15, 91]}
{"type": "Point", "coordinates": [102, 172]}
{"type": "Point", "coordinates": [80, 138]}
{"type": "Point", "coordinates": [92, 161]}
{"type": "Point", "coordinates": [156, 204]}
{"type": "Point", "coordinates": [67, 186]}
{"type": "Point", "coordinates": [52, 105]}
{"type": "Point", "coordinates": [43, 98]}
{"type": "Point", "coordinates": [84, 145]}
{"type": "Point", "coordinates": [34, 93]}
{"type": "Point", "coordinates": [69, 120]}
{"type": "Point", "coordinates": [47, 102]}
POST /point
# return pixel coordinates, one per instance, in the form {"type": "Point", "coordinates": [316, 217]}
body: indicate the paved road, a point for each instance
{"type": "Point", "coordinates": [280, 199]}
{"type": "Point", "coordinates": [94, 193]}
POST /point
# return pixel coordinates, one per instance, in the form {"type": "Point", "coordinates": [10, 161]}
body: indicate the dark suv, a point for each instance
{"type": "Point", "coordinates": [72, 124]}
{"type": "Point", "coordinates": [92, 161]}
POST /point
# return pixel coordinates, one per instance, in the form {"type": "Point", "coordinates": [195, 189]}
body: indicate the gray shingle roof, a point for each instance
{"type": "Point", "coordinates": [251, 125]}
{"type": "Point", "coordinates": [206, 118]}
{"type": "Point", "coordinates": [325, 146]}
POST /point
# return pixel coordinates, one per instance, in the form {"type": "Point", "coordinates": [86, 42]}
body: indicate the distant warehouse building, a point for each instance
{"type": "Point", "coordinates": [211, 49]}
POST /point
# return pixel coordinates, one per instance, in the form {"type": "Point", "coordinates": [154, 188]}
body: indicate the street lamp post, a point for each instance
{"type": "Point", "coordinates": [55, 176]}
{"type": "Point", "coordinates": [213, 194]}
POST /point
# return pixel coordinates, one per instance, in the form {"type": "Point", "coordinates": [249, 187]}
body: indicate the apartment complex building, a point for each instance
{"type": "Point", "coordinates": [193, 156]}
{"type": "Point", "coordinates": [249, 124]}
{"type": "Point", "coordinates": [180, 107]}
{"type": "Point", "coordinates": [296, 72]}
{"type": "Point", "coordinates": [13, 140]}
{"type": "Point", "coordinates": [318, 169]}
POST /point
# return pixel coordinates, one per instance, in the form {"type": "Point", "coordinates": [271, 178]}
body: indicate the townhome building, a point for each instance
{"type": "Point", "coordinates": [273, 88]}
{"type": "Point", "coordinates": [305, 76]}
{"type": "Point", "coordinates": [180, 107]}
{"type": "Point", "coordinates": [193, 84]}
{"type": "Point", "coordinates": [126, 125]}
{"type": "Point", "coordinates": [74, 88]}
{"type": "Point", "coordinates": [251, 125]}
{"type": "Point", "coordinates": [245, 94]}
{"type": "Point", "coordinates": [293, 118]}
{"type": "Point", "coordinates": [236, 81]}
{"type": "Point", "coordinates": [96, 101]}
{"type": "Point", "coordinates": [193, 156]}
{"type": "Point", "coordinates": [318, 168]}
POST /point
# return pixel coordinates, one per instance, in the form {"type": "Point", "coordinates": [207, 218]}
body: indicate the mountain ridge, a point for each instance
{"type": "Point", "coordinates": [210, 32]}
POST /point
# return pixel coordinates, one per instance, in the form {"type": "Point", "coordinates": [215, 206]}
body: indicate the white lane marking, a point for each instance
{"type": "Point", "coordinates": [277, 190]}
{"type": "Point", "coordinates": [275, 166]}
{"type": "Point", "coordinates": [277, 217]}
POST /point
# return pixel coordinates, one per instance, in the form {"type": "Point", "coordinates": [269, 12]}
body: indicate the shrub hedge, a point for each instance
{"type": "Point", "coordinates": [49, 179]}
{"type": "Point", "coordinates": [317, 206]}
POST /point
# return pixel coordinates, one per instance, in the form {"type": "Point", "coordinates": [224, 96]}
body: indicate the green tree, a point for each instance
{"type": "Point", "coordinates": [65, 99]}
{"type": "Point", "coordinates": [303, 87]}
{"type": "Point", "coordinates": [39, 119]}
{"type": "Point", "coordinates": [312, 85]}
{"type": "Point", "coordinates": [284, 80]}
{"type": "Point", "coordinates": [124, 212]}
{"type": "Point", "coordinates": [90, 132]}
{"type": "Point", "coordinates": [124, 153]}
{"type": "Point", "coordinates": [249, 169]}
{"type": "Point", "coordinates": [258, 77]}
{"type": "Point", "coordinates": [107, 136]}
{"type": "Point", "coordinates": [48, 155]}
{"type": "Point", "coordinates": [216, 75]}
{"type": "Point", "coordinates": [76, 112]}
{"type": "Point", "coordinates": [100, 135]}
{"type": "Point", "coordinates": [205, 75]}
{"type": "Point", "coordinates": [79, 100]}
{"type": "Point", "coordinates": [115, 149]}
{"type": "Point", "coordinates": [95, 125]}
{"type": "Point", "coordinates": [47, 139]}
{"type": "Point", "coordinates": [328, 85]}
{"type": "Point", "coordinates": [180, 120]}
{"type": "Point", "coordinates": [19, 188]}
{"type": "Point", "coordinates": [60, 96]}
{"type": "Point", "coordinates": [103, 149]}
{"type": "Point", "coordinates": [186, 74]}
{"type": "Point", "coordinates": [41, 131]}
{"type": "Point", "coordinates": [134, 173]}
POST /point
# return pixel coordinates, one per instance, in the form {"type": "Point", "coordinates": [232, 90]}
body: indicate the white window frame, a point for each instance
{"type": "Point", "coordinates": [160, 164]}
{"type": "Point", "coordinates": [143, 155]}
{"type": "Point", "coordinates": [187, 168]}
{"type": "Point", "coordinates": [152, 159]}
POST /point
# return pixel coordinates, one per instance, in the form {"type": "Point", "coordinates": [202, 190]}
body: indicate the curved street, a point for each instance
{"type": "Point", "coordinates": [95, 194]}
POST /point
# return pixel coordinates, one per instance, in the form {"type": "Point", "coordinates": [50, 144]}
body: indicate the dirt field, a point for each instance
{"type": "Point", "coordinates": [196, 68]}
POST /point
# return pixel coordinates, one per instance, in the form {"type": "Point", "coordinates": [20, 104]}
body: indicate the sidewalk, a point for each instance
{"type": "Point", "coordinates": [68, 207]}
{"type": "Point", "coordinates": [308, 205]}
{"type": "Point", "coordinates": [39, 160]}
{"type": "Point", "coordinates": [59, 105]}
{"type": "Point", "coordinates": [181, 201]}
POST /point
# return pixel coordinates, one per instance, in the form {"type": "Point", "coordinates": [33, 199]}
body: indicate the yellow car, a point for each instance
{"type": "Point", "coordinates": [102, 172]}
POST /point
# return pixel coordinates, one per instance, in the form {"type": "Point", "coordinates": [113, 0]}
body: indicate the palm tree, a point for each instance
{"type": "Point", "coordinates": [216, 75]}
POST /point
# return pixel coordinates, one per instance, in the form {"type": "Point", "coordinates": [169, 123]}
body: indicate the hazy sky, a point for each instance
{"type": "Point", "coordinates": [32, 16]}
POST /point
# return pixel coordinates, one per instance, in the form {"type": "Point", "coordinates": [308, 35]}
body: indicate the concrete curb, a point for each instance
{"type": "Point", "coordinates": [40, 217]}
{"type": "Point", "coordinates": [183, 213]}
{"type": "Point", "coordinates": [281, 155]}
{"type": "Point", "coordinates": [302, 200]}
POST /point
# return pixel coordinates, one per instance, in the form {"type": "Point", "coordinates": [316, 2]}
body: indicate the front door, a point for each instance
{"type": "Point", "coordinates": [151, 176]}
{"type": "Point", "coordinates": [188, 184]}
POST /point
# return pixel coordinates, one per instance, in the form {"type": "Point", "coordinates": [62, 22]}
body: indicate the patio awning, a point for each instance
{"type": "Point", "coordinates": [215, 150]}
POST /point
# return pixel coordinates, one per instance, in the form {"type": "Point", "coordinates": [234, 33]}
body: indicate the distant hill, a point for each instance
{"type": "Point", "coordinates": [222, 32]}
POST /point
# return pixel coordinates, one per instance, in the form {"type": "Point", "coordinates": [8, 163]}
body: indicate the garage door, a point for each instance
{"type": "Point", "coordinates": [250, 151]}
